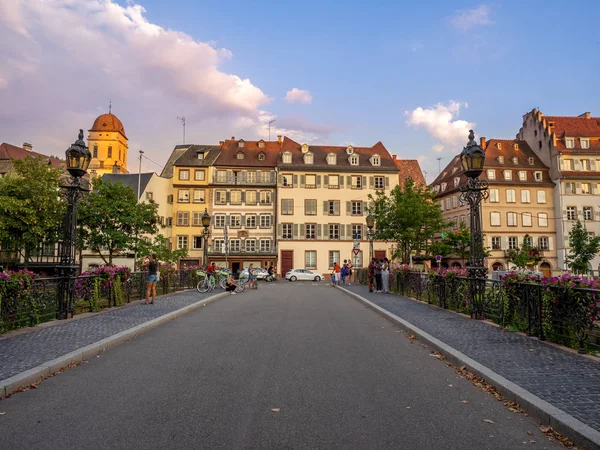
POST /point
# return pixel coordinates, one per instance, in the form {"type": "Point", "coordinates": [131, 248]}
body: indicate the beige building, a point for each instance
{"type": "Point", "coordinates": [323, 198]}
{"type": "Point", "coordinates": [107, 143]}
{"type": "Point", "coordinates": [520, 203]}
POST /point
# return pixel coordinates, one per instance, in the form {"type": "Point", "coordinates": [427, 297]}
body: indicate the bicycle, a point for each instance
{"type": "Point", "coordinates": [206, 282]}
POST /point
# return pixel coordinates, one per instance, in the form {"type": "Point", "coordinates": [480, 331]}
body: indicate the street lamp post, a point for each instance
{"type": "Point", "coordinates": [206, 233]}
{"type": "Point", "coordinates": [370, 235]}
{"type": "Point", "coordinates": [473, 192]}
{"type": "Point", "coordinates": [78, 160]}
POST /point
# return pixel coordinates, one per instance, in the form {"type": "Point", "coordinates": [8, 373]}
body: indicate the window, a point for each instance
{"type": "Point", "coordinates": [512, 243]}
{"type": "Point", "coordinates": [250, 221]}
{"type": "Point", "coordinates": [183, 218]}
{"type": "Point", "coordinates": [287, 180]}
{"type": "Point", "coordinates": [515, 160]}
{"type": "Point", "coordinates": [491, 174]}
{"type": "Point", "coordinates": [570, 142]}
{"type": "Point", "coordinates": [199, 175]}
{"type": "Point", "coordinates": [528, 240]}
{"type": "Point", "coordinates": [495, 219]}
{"type": "Point", "coordinates": [376, 160]}
{"type": "Point", "coordinates": [183, 196]}
{"type": "Point", "coordinates": [353, 161]}
{"type": "Point", "coordinates": [538, 176]}
{"type": "Point", "coordinates": [334, 257]}
{"type": "Point", "coordinates": [568, 164]}
{"type": "Point", "coordinates": [234, 245]}
{"type": "Point", "coordinates": [531, 161]}
{"type": "Point", "coordinates": [265, 220]}
{"type": "Point", "coordinates": [526, 219]}
{"type": "Point", "coordinates": [110, 152]}
{"type": "Point", "coordinates": [184, 174]}
{"type": "Point", "coordinates": [197, 219]}
{"type": "Point", "coordinates": [310, 181]}
{"type": "Point", "coordinates": [571, 213]}
{"type": "Point", "coordinates": [570, 188]}
{"type": "Point", "coordinates": [585, 143]}
{"type": "Point", "coordinates": [239, 155]}
{"type": "Point", "coordinates": [250, 245]}
{"type": "Point", "coordinates": [220, 220]}
{"type": "Point", "coordinates": [235, 220]}
{"type": "Point", "coordinates": [501, 159]}
{"type": "Point", "coordinates": [541, 196]}
{"type": "Point", "coordinates": [310, 207]}
{"type": "Point", "coordinates": [356, 182]}
{"type": "Point", "coordinates": [261, 156]}
{"type": "Point", "coordinates": [508, 174]}
{"type": "Point", "coordinates": [309, 158]}
{"type": "Point", "coordinates": [379, 183]}
{"type": "Point", "coordinates": [265, 245]}
{"type": "Point", "coordinates": [357, 232]}
{"type": "Point", "coordinates": [494, 196]}
{"type": "Point", "coordinates": [510, 196]}
{"type": "Point", "coordinates": [463, 219]}
{"type": "Point", "coordinates": [444, 185]}
{"type": "Point", "coordinates": [250, 197]}
{"type": "Point", "coordinates": [448, 200]}
{"type": "Point", "coordinates": [511, 219]}
{"type": "Point", "coordinates": [265, 197]}
{"type": "Point", "coordinates": [287, 206]}
{"type": "Point", "coordinates": [200, 155]}
{"type": "Point", "coordinates": [220, 197]}
{"type": "Point", "coordinates": [333, 207]}
{"type": "Point", "coordinates": [182, 242]}
{"type": "Point", "coordinates": [221, 176]}
{"type": "Point", "coordinates": [455, 201]}
{"type": "Point", "coordinates": [286, 231]}
{"type": "Point", "coordinates": [522, 175]}
{"type": "Point", "coordinates": [356, 208]}
{"type": "Point", "coordinates": [287, 158]}
{"type": "Point", "coordinates": [219, 245]}
{"type": "Point", "coordinates": [197, 242]}
{"type": "Point", "coordinates": [586, 188]}
{"type": "Point", "coordinates": [442, 204]}
{"type": "Point", "coordinates": [456, 181]}
{"type": "Point", "coordinates": [588, 213]}
{"type": "Point", "coordinates": [525, 196]}
{"type": "Point", "coordinates": [334, 231]}
{"type": "Point", "coordinates": [199, 196]}
{"type": "Point", "coordinates": [235, 197]}
{"type": "Point", "coordinates": [310, 231]}
{"type": "Point", "coordinates": [169, 222]}
{"type": "Point", "coordinates": [585, 164]}
{"type": "Point", "coordinates": [496, 243]}
{"type": "Point", "coordinates": [332, 181]}
{"type": "Point", "coordinates": [95, 151]}
{"type": "Point", "coordinates": [543, 243]}
{"type": "Point", "coordinates": [310, 259]}
{"type": "Point", "coordinates": [331, 159]}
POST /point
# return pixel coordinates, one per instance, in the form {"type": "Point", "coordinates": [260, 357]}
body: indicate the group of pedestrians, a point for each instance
{"type": "Point", "coordinates": [379, 271]}
{"type": "Point", "coordinates": [342, 274]}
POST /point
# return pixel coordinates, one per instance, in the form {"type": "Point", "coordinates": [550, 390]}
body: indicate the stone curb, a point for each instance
{"type": "Point", "coordinates": [582, 435]}
{"type": "Point", "coordinates": [37, 374]}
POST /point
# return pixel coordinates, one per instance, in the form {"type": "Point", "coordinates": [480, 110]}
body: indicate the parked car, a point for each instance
{"type": "Point", "coordinates": [303, 274]}
{"type": "Point", "coordinates": [259, 273]}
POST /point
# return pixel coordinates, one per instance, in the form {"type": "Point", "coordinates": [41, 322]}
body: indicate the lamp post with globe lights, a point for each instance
{"type": "Point", "coordinates": [473, 192]}
{"type": "Point", "coordinates": [370, 234]}
{"type": "Point", "coordinates": [206, 233]}
{"type": "Point", "coordinates": [78, 160]}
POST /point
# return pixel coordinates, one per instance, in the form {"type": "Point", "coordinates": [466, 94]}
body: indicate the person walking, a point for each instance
{"type": "Point", "coordinates": [378, 277]}
{"type": "Point", "coordinates": [344, 272]}
{"type": "Point", "coordinates": [350, 274]}
{"type": "Point", "coordinates": [371, 274]}
{"type": "Point", "coordinates": [385, 276]}
{"type": "Point", "coordinates": [251, 277]}
{"type": "Point", "coordinates": [337, 273]}
{"type": "Point", "coordinates": [152, 278]}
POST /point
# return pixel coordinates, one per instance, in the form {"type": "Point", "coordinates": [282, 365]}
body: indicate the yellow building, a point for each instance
{"type": "Point", "coordinates": [107, 142]}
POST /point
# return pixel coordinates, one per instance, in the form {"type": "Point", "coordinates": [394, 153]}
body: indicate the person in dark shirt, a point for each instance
{"type": "Point", "coordinates": [371, 274]}
{"type": "Point", "coordinates": [151, 278]}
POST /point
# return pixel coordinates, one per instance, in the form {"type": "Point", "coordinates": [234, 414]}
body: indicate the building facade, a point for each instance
{"type": "Point", "coordinates": [520, 203]}
{"type": "Point", "coordinates": [570, 147]}
{"type": "Point", "coordinates": [323, 199]}
{"type": "Point", "coordinates": [107, 143]}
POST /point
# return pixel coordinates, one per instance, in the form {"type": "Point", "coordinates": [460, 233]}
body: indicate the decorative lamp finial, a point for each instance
{"type": "Point", "coordinates": [471, 135]}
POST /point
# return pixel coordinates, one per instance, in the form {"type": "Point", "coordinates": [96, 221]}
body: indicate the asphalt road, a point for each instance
{"type": "Point", "coordinates": [339, 375]}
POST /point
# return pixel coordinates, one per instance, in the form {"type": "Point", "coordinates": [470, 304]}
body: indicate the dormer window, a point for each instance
{"type": "Point", "coordinates": [375, 160]}
{"type": "Point", "coordinates": [444, 186]}
{"type": "Point", "coordinates": [585, 143]}
{"type": "Point", "coordinates": [570, 142]}
{"type": "Point", "coordinates": [287, 158]}
{"type": "Point", "coordinates": [515, 160]}
{"type": "Point", "coordinates": [516, 146]}
{"type": "Point", "coordinates": [261, 156]}
{"type": "Point", "coordinates": [499, 145]}
{"type": "Point", "coordinates": [501, 159]}
{"type": "Point", "coordinates": [239, 155]}
{"type": "Point", "coordinates": [304, 148]}
{"type": "Point", "coordinates": [531, 161]}
{"type": "Point", "coordinates": [200, 155]}
{"type": "Point", "coordinates": [349, 150]}
{"type": "Point", "coordinates": [331, 159]}
{"type": "Point", "coordinates": [261, 144]}
{"type": "Point", "coordinates": [241, 144]}
{"type": "Point", "coordinates": [309, 158]}
{"type": "Point", "coordinates": [353, 160]}
{"type": "Point", "coordinates": [456, 181]}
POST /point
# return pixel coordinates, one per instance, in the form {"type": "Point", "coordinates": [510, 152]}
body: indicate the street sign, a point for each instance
{"type": "Point", "coordinates": [444, 235]}
{"type": "Point", "coordinates": [438, 258]}
{"type": "Point", "coordinates": [356, 244]}
{"type": "Point", "coordinates": [356, 251]}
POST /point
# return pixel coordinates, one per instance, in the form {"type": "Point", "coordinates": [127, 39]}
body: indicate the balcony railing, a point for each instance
{"type": "Point", "coordinates": [241, 180]}
{"type": "Point", "coordinates": [241, 252]}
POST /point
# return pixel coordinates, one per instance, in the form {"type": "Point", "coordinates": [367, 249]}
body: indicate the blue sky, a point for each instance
{"type": "Point", "coordinates": [368, 69]}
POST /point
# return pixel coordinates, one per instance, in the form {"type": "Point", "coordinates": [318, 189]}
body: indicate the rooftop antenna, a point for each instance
{"type": "Point", "coordinates": [109, 106]}
{"type": "Point", "coordinates": [182, 118]}
{"type": "Point", "coordinates": [425, 175]}
{"type": "Point", "coordinates": [439, 158]}
{"type": "Point", "coordinates": [270, 129]}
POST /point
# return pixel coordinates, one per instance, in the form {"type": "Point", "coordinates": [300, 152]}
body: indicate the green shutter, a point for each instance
{"type": "Point", "coordinates": [318, 181]}
{"type": "Point", "coordinates": [325, 208]}
{"type": "Point", "coordinates": [348, 208]}
{"type": "Point", "coordinates": [319, 231]}
{"type": "Point", "coordinates": [243, 196]}
{"type": "Point", "coordinates": [325, 181]}
{"type": "Point", "coordinates": [336, 208]}
{"type": "Point", "coordinates": [342, 232]}
{"type": "Point", "coordinates": [279, 180]}
{"type": "Point", "coordinates": [349, 232]}
{"type": "Point", "coordinates": [227, 197]}
{"type": "Point", "coordinates": [371, 182]}
{"type": "Point", "coordinates": [301, 231]}
{"type": "Point", "coordinates": [364, 183]}
{"type": "Point", "coordinates": [349, 181]}
{"type": "Point", "coordinates": [295, 181]}
{"type": "Point", "coordinates": [341, 181]}
{"type": "Point", "coordinates": [387, 182]}
{"type": "Point", "coordinates": [295, 235]}
{"type": "Point", "coordinates": [302, 181]}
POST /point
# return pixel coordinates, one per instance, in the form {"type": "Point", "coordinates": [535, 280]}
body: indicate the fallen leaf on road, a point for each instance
{"type": "Point", "coordinates": [544, 429]}
{"type": "Point", "coordinates": [275, 409]}
{"type": "Point", "coordinates": [488, 421]}
{"type": "Point", "coordinates": [2, 413]}
{"type": "Point", "coordinates": [513, 410]}
{"type": "Point", "coordinates": [531, 350]}
{"type": "Point", "coordinates": [450, 385]}
{"type": "Point", "coordinates": [464, 401]}
{"type": "Point", "coordinates": [530, 433]}
{"type": "Point", "coordinates": [433, 355]}
{"type": "Point", "coordinates": [532, 441]}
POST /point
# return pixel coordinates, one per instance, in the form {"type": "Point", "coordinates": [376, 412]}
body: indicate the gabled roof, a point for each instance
{"type": "Point", "coordinates": [187, 155]}
{"type": "Point", "coordinates": [581, 126]}
{"type": "Point", "coordinates": [410, 168]}
{"type": "Point", "coordinates": [8, 152]}
{"type": "Point", "coordinates": [130, 179]}
{"type": "Point", "coordinates": [251, 152]}
{"type": "Point", "coordinates": [320, 153]}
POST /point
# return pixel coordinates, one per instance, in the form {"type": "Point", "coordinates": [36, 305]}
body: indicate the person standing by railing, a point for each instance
{"type": "Point", "coordinates": [371, 274]}
{"type": "Point", "coordinates": [152, 277]}
{"type": "Point", "coordinates": [378, 276]}
{"type": "Point", "coordinates": [385, 276]}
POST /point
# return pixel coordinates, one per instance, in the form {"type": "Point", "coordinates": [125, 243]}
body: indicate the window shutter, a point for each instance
{"type": "Point", "coordinates": [348, 231]}
{"type": "Point", "coordinates": [576, 164]}
{"type": "Point", "coordinates": [279, 180]}
{"type": "Point", "coordinates": [230, 176]}
{"type": "Point", "coordinates": [341, 181]}
{"type": "Point", "coordinates": [550, 243]}
{"type": "Point", "coordinates": [336, 208]}
{"type": "Point", "coordinates": [348, 208]}
{"type": "Point", "coordinates": [318, 181]}
{"type": "Point", "coordinates": [295, 231]}
{"type": "Point", "coordinates": [244, 176]}
{"type": "Point", "coordinates": [301, 231]}
{"type": "Point", "coordinates": [594, 188]}
{"type": "Point", "coordinates": [243, 220]}
{"type": "Point", "coordinates": [326, 180]}
{"type": "Point", "coordinates": [503, 243]}
{"type": "Point", "coordinates": [302, 181]}
{"type": "Point", "coordinates": [325, 208]}
{"type": "Point", "coordinates": [489, 242]}
{"type": "Point", "coordinates": [349, 181]}
{"type": "Point", "coordinates": [243, 196]}
{"type": "Point", "coordinates": [561, 164]}
{"type": "Point", "coordinates": [578, 188]}
{"type": "Point", "coordinates": [279, 230]}
{"type": "Point", "coordinates": [519, 242]}
{"type": "Point", "coordinates": [387, 182]}
{"type": "Point", "coordinates": [364, 182]}
{"type": "Point", "coordinates": [363, 208]}
{"type": "Point", "coordinates": [534, 241]}
{"type": "Point", "coordinates": [371, 182]}
{"type": "Point", "coordinates": [227, 197]}
{"type": "Point", "coordinates": [295, 181]}
{"type": "Point", "coordinates": [319, 231]}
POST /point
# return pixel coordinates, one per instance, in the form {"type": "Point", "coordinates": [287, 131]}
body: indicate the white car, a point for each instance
{"type": "Point", "coordinates": [303, 274]}
{"type": "Point", "coordinates": [259, 273]}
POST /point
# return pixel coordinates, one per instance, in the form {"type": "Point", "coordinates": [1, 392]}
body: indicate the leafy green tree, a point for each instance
{"type": "Point", "coordinates": [160, 246]}
{"type": "Point", "coordinates": [583, 249]}
{"type": "Point", "coordinates": [111, 220]}
{"type": "Point", "coordinates": [459, 242]}
{"type": "Point", "coordinates": [31, 210]}
{"type": "Point", "coordinates": [408, 216]}
{"type": "Point", "coordinates": [526, 256]}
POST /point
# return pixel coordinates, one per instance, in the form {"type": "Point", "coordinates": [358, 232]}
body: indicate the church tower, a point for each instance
{"type": "Point", "coordinates": [108, 145]}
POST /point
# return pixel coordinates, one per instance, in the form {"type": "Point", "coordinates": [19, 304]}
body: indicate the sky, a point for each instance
{"type": "Point", "coordinates": [413, 75]}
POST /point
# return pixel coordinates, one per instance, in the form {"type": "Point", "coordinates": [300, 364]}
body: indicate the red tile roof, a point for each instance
{"type": "Point", "coordinates": [574, 126]}
{"type": "Point", "coordinates": [251, 151]}
{"type": "Point", "coordinates": [409, 168]}
{"type": "Point", "coordinates": [8, 152]}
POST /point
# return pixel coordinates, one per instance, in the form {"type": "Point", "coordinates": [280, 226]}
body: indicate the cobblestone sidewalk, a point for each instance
{"type": "Point", "coordinates": [22, 352]}
{"type": "Point", "coordinates": [564, 379]}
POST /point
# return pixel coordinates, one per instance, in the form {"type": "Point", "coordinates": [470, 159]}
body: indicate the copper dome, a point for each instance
{"type": "Point", "coordinates": [108, 122]}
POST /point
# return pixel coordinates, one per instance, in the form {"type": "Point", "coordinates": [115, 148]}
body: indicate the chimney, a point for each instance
{"type": "Point", "coordinates": [585, 115]}
{"type": "Point", "coordinates": [233, 138]}
{"type": "Point", "coordinates": [279, 138]}
{"type": "Point", "coordinates": [482, 142]}
{"type": "Point", "coordinates": [394, 157]}
{"type": "Point", "coordinates": [221, 142]}
{"type": "Point", "coordinates": [27, 146]}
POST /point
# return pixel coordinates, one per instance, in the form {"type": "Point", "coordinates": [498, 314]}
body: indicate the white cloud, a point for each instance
{"type": "Point", "coordinates": [441, 122]}
{"type": "Point", "coordinates": [296, 95]}
{"type": "Point", "coordinates": [465, 19]}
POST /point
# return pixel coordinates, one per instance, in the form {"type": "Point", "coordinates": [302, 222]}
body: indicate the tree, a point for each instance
{"type": "Point", "coordinates": [408, 216]}
{"type": "Point", "coordinates": [526, 256]}
{"type": "Point", "coordinates": [163, 253]}
{"type": "Point", "coordinates": [459, 241]}
{"type": "Point", "coordinates": [30, 207]}
{"type": "Point", "coordinates": [111, 220]}
{"type": "Point", "coordinates": [584, 248]}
